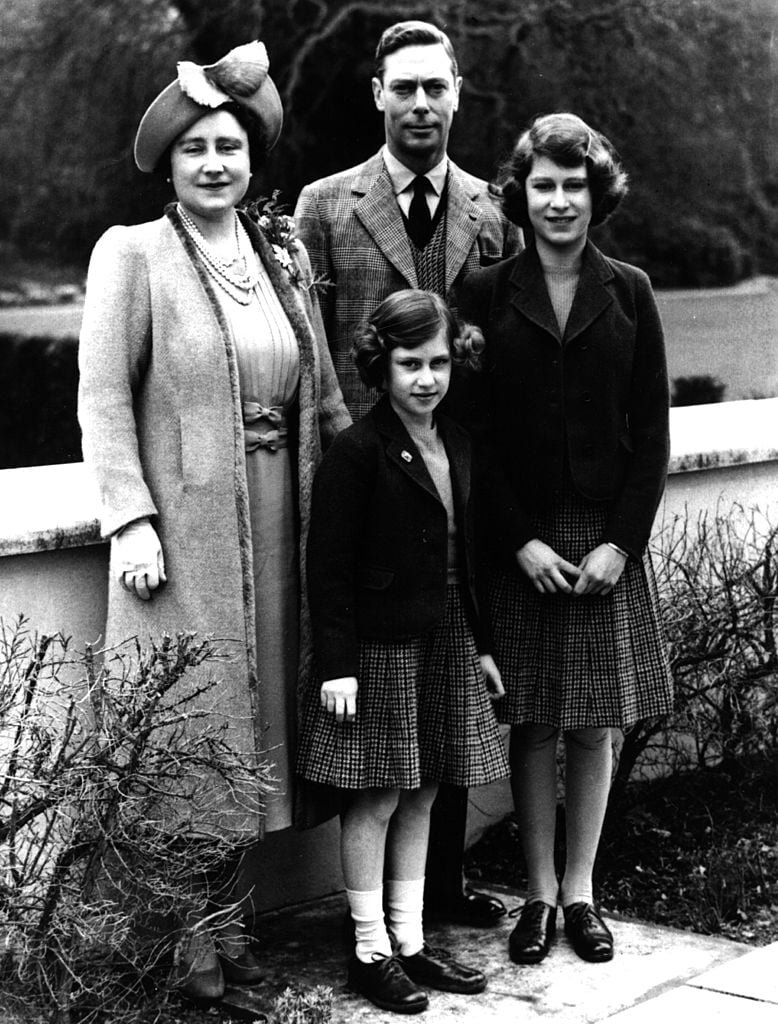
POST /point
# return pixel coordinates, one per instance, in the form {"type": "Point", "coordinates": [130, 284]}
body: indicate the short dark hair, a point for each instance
{"type": "Point", "coordinates": [568, 141]}
{"type": "Point", "coordinates": [407, 319]}
{"type": "Point", "coordinates": [251, 124]}
{"type": "Point", "coordinates": [412, 33]}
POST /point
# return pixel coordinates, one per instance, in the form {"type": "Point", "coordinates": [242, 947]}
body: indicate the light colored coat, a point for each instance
{"type": "Point", "coordinates": [160, 412]}
{"type": "Point", "coordinates": [354, 232]}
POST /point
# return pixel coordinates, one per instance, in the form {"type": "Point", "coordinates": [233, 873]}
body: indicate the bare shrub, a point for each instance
{"type": "Point", "coordinates": [94, 884]}
{"type": "Point", "coordinates": [718, 581]}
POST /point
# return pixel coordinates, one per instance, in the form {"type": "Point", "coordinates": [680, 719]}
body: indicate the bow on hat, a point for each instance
{"type": "Point", "coordinates": [239, 74]}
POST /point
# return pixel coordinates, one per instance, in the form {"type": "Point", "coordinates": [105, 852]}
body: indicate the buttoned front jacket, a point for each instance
{"type": "Point", "coordinates": [355, 235]}
{"type": "Point", "coordinates": [590, 407]}
{"type": "Point", "coordinates": [377, 550]}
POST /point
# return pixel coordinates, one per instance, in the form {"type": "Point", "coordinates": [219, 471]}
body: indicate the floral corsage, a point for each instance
{"type": "Point", "coordinates": [278, 229]}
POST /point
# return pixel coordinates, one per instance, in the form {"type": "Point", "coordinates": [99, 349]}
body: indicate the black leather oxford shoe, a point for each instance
{"type": "Point", "coordinates": [531, 939]}
{"type": "Point", "coordinates": [385, 983]}
{"type": "Point", "coordinates": [437, 968]}
{"type": "Point", "coordinates": [589, 936]}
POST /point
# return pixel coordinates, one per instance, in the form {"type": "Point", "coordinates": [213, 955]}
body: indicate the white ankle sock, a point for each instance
{"type": "Point", "coordinates": [404, 907]}
{"type": "Point", "coordinates": [367, 913]}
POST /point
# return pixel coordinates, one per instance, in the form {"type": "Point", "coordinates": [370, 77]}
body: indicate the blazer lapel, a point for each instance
{"type": "Point", "coordinates": [380, 215]}
{"type": "Point", "coordinates": [592, 295]}
{"type": "Point", "coordinates": [463, 222]}
{"type": "Point", "coordinates": [530, 295]}
{"type": "Point", "coordinates": [401, 449]}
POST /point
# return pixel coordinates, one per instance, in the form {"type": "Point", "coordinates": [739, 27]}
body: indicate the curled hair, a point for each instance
{"type": "Point", "coordinates": [249, 122]}
{"type": "Point", "coordinates": [411, 33]}
{"type": "Point", "coordinates": [569, 142]}
{"type": "Point", "coordinates": [407, 319]}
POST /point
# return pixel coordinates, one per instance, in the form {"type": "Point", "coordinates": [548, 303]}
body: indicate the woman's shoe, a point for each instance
{"type": "Point", "coordinates": [589, 935]}
{"type": "Point", "coordinates": [386, 985]}
{"type": "Point", "coordinates": [531, 939]}
{"type": "Point", "coordinates": [243, 969]}
{"type": "Point", "coordinates": [197, 966]}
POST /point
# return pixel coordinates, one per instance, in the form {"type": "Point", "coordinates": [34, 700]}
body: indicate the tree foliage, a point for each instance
{"type": "Point", "coordinates": [685, 89]}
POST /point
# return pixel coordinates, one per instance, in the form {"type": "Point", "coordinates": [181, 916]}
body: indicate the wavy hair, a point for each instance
{"type": "Point", "coordinates": [407, 319]}
{"type": "Point", "coordinates": [568, 141]}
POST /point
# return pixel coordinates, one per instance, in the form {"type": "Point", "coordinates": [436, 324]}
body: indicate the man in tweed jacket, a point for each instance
{"type": "Point", "coordinates": [359, 229]}
{"type": "Point", "coordinates": [354, 223]}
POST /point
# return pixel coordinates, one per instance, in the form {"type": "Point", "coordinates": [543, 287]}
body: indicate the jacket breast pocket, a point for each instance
{"type": "Point", "coordinates": [375, 578]}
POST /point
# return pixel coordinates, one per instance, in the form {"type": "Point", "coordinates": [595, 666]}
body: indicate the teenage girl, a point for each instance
{"type": "Point", "coordinates": [405, 702]}
{"type": "Point", "coordinates": [573, 402]}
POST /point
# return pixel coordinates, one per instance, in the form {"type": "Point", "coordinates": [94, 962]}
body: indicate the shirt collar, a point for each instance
{"type": "Point", "coordinates": [401, 177]}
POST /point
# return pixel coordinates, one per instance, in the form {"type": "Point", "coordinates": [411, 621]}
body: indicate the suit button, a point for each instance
{"type": "Point", "coordinates": [587, 449]}
{"type": "Point", "coordinates": [586, 397]}
{"type": "Point", "coordinates": [583, 348]}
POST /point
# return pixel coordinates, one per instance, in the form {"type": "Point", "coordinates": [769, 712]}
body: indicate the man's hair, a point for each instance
{"type": "Point", "coordinates": [412, 33]}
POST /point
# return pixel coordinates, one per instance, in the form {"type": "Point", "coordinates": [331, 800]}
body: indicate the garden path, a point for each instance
{"type": "Point", "coordinates": [657, 974]}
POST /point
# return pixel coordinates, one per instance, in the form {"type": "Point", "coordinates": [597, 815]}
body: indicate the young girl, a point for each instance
{"type": "Point", "coordinates": [405, 700]}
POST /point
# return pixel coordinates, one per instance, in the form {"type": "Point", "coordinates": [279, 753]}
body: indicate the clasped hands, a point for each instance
{"type": "Point", "coordinates": [138, 560]}
{"type": "Point", "coordinates": [598, 572]}
{"type": "Point", "coordinates": [339, 696]}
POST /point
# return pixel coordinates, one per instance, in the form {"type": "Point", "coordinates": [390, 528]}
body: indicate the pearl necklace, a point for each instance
{"type": "Point", "coordinates": [238, 286]}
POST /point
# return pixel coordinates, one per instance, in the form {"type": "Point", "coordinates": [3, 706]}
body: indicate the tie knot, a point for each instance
{"type": "Point", "coordinates": [420, 184]}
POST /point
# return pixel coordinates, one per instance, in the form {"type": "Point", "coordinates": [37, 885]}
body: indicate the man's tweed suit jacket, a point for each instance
{"type": "Point", "coordinates": [354, 232]}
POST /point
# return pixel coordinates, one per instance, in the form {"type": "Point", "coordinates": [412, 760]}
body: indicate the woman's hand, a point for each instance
{"type": "Point", "coordinates": [492, 677]}
{"type": "Point", "coordinates": [339, 696]}
{"type": "Point", "coordinates": [601, 570]}
{"type": "Point", "coordinates": [548, 572]}
{"type": "Point", "coordinates": [138, 559]}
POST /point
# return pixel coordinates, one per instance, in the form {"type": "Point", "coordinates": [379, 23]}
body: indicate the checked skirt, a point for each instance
{"type": "Point", "coordinates": [423, 713]}
{"type": "Point", "coordinates": [573, 662]}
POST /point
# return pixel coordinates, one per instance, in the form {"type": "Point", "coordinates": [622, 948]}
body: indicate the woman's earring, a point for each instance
{"type": "Point", "coordinates": [168, 180]}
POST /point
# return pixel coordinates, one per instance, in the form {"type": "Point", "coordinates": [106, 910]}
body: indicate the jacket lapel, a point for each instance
{"type": "Point", "coordinates": [530, 295]}
{"type": "Point", "coordinates": [463, 223]}
{"type": "Point", "coordinates": [380, 215]}
{"type": "Point", "coordinates": [400, 448]}
{"type": "Point", "coordinates": [592, 295]}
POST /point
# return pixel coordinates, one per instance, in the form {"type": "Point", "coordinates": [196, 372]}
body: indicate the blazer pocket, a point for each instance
{"type": "Point", "coordinates": [375, 578]}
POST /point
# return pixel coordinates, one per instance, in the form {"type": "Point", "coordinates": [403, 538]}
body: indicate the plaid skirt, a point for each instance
{"type": "Point", "coordinates": [423, 713]}
{"type": "Point", "coordinates": [573, 662]}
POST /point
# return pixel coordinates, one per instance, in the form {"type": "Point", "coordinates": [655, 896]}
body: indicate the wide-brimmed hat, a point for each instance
{"type": "Point", "coordinates": [241, 77]}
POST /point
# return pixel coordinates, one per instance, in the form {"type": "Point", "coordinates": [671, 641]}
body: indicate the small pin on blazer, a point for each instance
{"type": "Point", "coordinates": [406, 455]}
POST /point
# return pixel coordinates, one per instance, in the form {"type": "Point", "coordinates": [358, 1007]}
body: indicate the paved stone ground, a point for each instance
{"type": "Point", "coordinates": [307, 945]}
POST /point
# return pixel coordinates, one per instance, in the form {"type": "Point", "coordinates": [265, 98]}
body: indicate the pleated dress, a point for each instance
{"type": "Point", "coordinates": [268, 369]}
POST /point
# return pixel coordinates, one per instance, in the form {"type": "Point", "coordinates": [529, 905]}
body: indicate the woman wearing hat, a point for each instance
{"type": "Point", "coordinates": [206, 392]}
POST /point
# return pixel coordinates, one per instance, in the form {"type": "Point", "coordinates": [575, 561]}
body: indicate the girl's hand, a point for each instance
{"type": "Point", "coordinates": [548, 572]}
{"type": "Point", "coordinates": [138, 560]}
{"type": "Point", "coordinates": [339, 696]}
{"type": "Point", "coordinates": [601, 570]}
{"type": "Point", "coordinates": [492, 677]}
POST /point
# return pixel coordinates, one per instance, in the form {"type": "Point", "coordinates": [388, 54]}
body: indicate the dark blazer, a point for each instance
{"type": "Point", "coordinates": [591, 406]}
{"type": "Point", "coordinates": [377, 549]}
